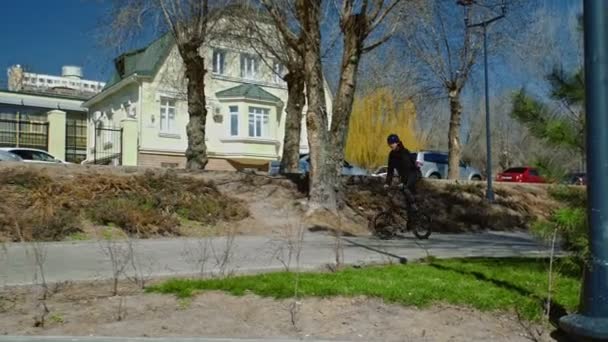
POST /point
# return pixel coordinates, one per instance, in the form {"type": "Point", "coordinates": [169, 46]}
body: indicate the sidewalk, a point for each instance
{"type": "Point", "coordinates": [82, 261]}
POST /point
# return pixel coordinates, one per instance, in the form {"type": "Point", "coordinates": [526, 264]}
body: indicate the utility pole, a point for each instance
{"type": "Point", "coordinates": [484, 25]}
{"type": "Point", "coordinates": [591, 322]}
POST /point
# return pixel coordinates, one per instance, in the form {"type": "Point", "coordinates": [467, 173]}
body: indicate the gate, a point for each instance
{"type": "Point", "coordinates": [108, 146]}
{"type": "Point", "coordinates": [75, 141]}
{"type": "Point", "coordinates": [29, 134]}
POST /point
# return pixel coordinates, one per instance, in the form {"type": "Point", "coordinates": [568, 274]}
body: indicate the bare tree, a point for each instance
{"type": "Point", "coordinates": [281, 50]}
{"type": "Point", "coordinates": [446, 50]}
{"type": "Point", "coordinates": [357, 21]}
{"type": "Point", "coordinates": [190, 23]}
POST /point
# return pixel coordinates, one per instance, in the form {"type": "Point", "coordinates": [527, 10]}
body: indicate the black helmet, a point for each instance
{"type": "Point", "coordinates": [393, 139]}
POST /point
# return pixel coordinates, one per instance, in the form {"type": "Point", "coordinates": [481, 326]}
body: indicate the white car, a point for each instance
{"type": "Point", "coordinates": [31, 155]}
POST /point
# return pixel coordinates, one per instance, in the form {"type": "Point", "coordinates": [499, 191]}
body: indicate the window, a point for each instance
{"type": "Point", "coordinates": [438, 158]}
{"type": "Point", "coordinates": [41, 156]}
{"type": "Point", "coordinates": [259, 122]}
{"type": "Point", "coordinates": [49, 81]}
{"type": "Point", "coordinates": [533, 172]}
{"type": "Point", "coordinates": [249, 66]}
{"type": "Point", "coordinates": [278, 73]}
{"type": "Point", "coordinates": [41, 80]}
{"type": "Point", "coordinates": [167, 115]}
{"type": "Point", "coordinates": [234, 121]}
{"type": "Point", "coordinates": [516, 170]}
{"type": "Point", "coordinates": [219, 60]}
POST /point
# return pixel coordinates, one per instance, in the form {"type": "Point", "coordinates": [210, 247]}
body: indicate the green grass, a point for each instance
{"type": "Point", "coordinates": [484, 284]}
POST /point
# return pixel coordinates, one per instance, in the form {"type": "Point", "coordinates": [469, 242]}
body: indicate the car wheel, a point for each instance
{"type": "Point", "coordinates": [476, 178]}
{"type": "Point", "coordinates": [434, 176]}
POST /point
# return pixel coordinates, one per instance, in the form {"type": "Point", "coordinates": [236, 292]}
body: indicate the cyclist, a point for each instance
{"type": "Point", "coordinates": [399, 159]}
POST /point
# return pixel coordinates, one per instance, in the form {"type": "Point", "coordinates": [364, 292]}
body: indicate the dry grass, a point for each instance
{"type": "Point", "coordinates": [142, 205]}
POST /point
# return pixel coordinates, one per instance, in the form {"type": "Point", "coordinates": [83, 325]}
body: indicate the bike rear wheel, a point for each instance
{"type": "Point", "coordinates": [420, 224]}
{"type": "Point", "coordinates": [384, 225]}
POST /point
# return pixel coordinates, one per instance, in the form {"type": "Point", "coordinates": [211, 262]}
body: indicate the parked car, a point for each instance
{"type": "Point", "coordinates": [524, 174]}
{"type": "Point", "coordinates": [31, 155]}
{"type": "Point", "coordinates": [380, 172]}
{"type": "Point", "coordinates": [577, 178]}
{"type": "Point", "coordinates": [7, 156]}
{"type": "Point", "coordinates": [434, 165]}
{"type": "Point", "coordinates": [304, 167]}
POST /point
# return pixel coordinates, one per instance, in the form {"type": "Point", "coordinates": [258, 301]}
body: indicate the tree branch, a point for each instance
{"type": "Point", "coordinates": [280, 21]}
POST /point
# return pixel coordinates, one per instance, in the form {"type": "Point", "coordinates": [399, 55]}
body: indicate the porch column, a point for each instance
{"type": "Point", "coordinates": [130, 144]}
{"type": "Point", "coordinates": [56, 133]}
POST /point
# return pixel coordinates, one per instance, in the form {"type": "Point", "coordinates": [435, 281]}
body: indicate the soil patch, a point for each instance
{"type": "Point", "coordinates": [87, 309]}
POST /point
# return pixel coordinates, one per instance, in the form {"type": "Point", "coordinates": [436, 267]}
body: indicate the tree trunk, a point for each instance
{"type": "Point", "coordinates": [293, 121]}
{"type": "Point", "coordinates": [454, 147]}
{"type": "Point", "coordinates": [322, 193]}
{"type": "Point", "coordinates": [354, 30]}
{"type": "Point", "coordinates": [196, 153]}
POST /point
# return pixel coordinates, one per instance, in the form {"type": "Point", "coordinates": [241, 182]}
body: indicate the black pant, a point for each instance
{"type": "Point", "coordinates": [409, 190]}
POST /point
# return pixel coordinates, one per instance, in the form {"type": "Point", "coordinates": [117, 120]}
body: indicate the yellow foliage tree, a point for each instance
{"type": "Point", "coordinates": [374, 117]}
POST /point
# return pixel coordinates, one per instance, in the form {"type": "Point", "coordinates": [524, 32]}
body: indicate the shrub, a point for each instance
{"type": "Point", "coordinates": [570, 223]}
{"type": "Point", "coordinates": [134, 216]}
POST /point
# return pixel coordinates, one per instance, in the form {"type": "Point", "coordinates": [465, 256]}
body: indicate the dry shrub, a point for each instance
{"type": "Point", "coordinates": [143, 205]}
{"type": "Point", "coordinates": [459, 207]}
{"type": "Point", "coordinates": [134, 217]}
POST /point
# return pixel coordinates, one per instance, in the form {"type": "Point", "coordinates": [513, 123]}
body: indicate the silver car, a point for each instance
{"type": "Point", "coordinates": [7, 156]}
{"type": "Point", "coordinates": [434, 165]}
{"type": "Point", "coordinates": [304, 167]}
{"type": "Point", "coordinates": [32, 155]}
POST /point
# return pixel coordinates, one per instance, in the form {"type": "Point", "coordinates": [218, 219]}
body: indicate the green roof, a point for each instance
{"type": "Point", "coordinates": [248, 91]}
{"type": "Point", "coordinates": [144, 62]}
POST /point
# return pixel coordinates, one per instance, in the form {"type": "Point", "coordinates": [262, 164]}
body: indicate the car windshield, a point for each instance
{"type": "Point", "coordinates": [516, 170]}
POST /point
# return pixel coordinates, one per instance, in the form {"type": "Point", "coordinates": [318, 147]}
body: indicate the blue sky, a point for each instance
{"type": "Point", "coordinates": [46, 34]}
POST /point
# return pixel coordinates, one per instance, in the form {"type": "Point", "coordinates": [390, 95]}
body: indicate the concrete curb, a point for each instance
{"type": "Point", "coordinates": [145, 339]}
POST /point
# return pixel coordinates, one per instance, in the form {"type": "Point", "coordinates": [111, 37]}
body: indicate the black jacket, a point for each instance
{"type": "Point", "coordinates": [401, 161]}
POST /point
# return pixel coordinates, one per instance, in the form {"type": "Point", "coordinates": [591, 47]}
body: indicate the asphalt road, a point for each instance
{"type": "Point", "coordinates": [81, 261]}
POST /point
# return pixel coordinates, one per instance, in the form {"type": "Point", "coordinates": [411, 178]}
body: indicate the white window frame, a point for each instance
{"type": "Point", "coordinates": [234, 113]}
{"type": "Point", "coordinates": [249, 66]}
{"type": "Point", "coordinates": [261, 116]}
{"type": "Point", "coordinates": [166, 124]}
{"type": "Point", "coordinates": [219, 62]}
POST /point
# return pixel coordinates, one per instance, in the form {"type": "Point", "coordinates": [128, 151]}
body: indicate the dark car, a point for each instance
{"type": "Point", "coordinates": [576, 178]}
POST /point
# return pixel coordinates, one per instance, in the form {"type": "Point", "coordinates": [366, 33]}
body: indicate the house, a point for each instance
{"type": "Point", "coordinates": [245, 98]}
{"type": "Point", "coordinates": [45, 112]}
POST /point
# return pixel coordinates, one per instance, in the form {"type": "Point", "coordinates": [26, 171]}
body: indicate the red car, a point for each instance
{"type": "Point", "coordinates": [520, 175]}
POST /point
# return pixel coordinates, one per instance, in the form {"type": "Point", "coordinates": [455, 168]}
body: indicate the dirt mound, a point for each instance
{"type": "Point", "coordinates": [460, 207]}
{"type": "Point", "coordinates": [42, 204]}
{"type": "Point", "coordinates": [54, 202]}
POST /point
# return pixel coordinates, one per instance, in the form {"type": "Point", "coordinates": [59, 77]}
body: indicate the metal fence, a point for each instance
{"type": "Point", "coordinates": [108, 146]}
{"type": "Point", "coordinates": [30, 134]}
{"type": "Point", "coordinates": [75, 141]}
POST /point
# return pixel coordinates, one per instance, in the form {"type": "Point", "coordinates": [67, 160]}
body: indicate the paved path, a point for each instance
{"type": "Point", "coordinates": [76, 261]}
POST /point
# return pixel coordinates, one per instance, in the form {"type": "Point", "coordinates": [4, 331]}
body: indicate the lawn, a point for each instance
{"type": "Point", "coordinates": [488, 284]}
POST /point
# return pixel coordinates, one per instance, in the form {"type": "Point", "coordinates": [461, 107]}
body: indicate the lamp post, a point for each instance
{"type": "Point", "coordinates": [484, 25]}
{"type": "Point", "coordinates": [591, 323]}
